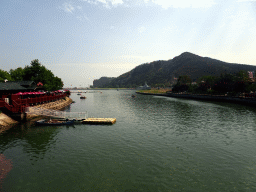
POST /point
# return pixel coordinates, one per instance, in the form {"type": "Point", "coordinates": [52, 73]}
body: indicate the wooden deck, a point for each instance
{"type": "Point", "coordinates": [99, 121]}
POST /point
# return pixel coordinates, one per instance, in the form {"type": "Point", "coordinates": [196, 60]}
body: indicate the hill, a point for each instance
{"type": "Point", "coordinates": [102, 81]}
{"type": "Point", "coordinates": [161, 72]}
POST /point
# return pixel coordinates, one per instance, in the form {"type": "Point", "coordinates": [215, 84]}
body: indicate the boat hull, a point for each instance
{"type": "Point", "coordinates": [54, 122]}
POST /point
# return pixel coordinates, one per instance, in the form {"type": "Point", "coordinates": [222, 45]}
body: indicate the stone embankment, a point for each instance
{"type": "Point", "coordinates": [57, 105]}
{"type": "Point", "coordinates": [6, 122]}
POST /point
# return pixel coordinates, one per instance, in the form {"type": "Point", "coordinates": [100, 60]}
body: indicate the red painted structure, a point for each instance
{"type": "Point", "coordinates": [16, 103]}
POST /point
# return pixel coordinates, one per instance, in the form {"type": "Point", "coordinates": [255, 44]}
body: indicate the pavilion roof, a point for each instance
{"type": "Point", "coordinates": [11, 86]}
{"type": "Point", "coordinates": [25, 83]}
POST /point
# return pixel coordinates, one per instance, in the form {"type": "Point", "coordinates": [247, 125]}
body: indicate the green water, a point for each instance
{"type": "Point", "coordinates": [157, 144]}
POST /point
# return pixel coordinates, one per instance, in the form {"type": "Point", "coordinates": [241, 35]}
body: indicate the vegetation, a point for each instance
{"type": "Point", "coordinates": [183, 84]}
{"type": "Point", "coordinates": [17, 74]}
{"type": "Point", "coordinates": [4, 75]}
{"type": "Point", "coordinates": [224, 84]}
{"type": "Point", "coordinates": [35, 72]}
{"type": "Point", "coordinates": [154, 91]}
{"type": "Point", "coordinates": [102, 81]}
{"type": "Point", "coordinates": [68, 93]}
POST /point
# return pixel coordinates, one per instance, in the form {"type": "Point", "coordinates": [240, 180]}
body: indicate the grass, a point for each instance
{"type": "Point", "coordinates": [109, 88]}
{"type": "Point", "coordinates": [156, 91]}
{"type": "Point", "coordinates": [153, 90]}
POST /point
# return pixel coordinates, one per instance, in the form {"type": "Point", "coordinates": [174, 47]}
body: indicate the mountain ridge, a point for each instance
{"type": "Point", "coordinates": [164, 72]}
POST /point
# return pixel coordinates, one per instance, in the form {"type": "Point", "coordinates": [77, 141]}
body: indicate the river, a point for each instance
{"type": "Point", "coordinates": [157, 144]}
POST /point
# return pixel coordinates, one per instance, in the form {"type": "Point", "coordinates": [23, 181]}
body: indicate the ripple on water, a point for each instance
{"type": "Point", "coordinates": [157, 144]}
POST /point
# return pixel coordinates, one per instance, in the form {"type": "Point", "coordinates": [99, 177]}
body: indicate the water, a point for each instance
{"type": "Point", "coordinates": [157, 144]}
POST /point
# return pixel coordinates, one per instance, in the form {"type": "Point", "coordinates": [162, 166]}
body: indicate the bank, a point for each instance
{"type": "Point", "coordinates": [249, 101]}
{"type": "Point", "coordinates": [6, 122]}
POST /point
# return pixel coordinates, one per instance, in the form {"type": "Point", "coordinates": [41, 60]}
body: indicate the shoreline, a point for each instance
{"type": "Point", "coordinates": [218, 98]}
{"type": "Point", "coordinates": [7, 122]}
{"type": "Point", "coordinates": [56, 105]}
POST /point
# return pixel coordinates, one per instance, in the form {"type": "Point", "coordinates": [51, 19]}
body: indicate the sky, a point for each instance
{"type": "Point", "coordinates": [83, 40]}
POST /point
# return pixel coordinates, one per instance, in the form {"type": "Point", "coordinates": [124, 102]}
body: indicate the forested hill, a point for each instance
{"type": "Point", "coordinates": [160, 72]}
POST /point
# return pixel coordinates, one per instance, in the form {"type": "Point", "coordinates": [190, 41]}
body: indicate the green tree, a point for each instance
{"type": "Point", "coordinates": [5, 75]}
{"type": "Point", "coordinates": [224, 84]}
{"type": "Point", "coordinates": [184, 79]}
{"type": "Point", "coordinates": [242, 76]}
{"type": "Point", "coordinates": [34, 72]}
{"type": "Point", "coordinates": [183, 84]}
{"type": "Point", "coordinates": [193, 88]}
{"type": "Point", "coordinates": [205, 83]}
{"type": "Point", "coordinates": [38, 73]}
{"type": "Point", "coordinates": [208, 79]}
{"type": "Point", "coordinates": [242, 82]}
{"type": "Point", "coordinates": [17, 74]}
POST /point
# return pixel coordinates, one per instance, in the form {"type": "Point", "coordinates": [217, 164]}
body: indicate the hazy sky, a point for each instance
{"type": "Point", "coordinates": [83, 40]}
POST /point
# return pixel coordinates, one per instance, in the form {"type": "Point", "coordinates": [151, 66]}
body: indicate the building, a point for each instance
{"type": "Point", "coordinates": [10, 87]}
{"type": "Point", "coordinates": [145, 87]}
{"type": "Point", "coordinates": [15, 96]}
{"type": "Point", "coordinates": [250, 74]}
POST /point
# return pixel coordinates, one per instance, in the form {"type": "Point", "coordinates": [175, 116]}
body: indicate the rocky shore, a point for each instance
{"type": "Point", "coordinates": [56, 105]}
{"type": "Point", "coordinates": [6, 122]}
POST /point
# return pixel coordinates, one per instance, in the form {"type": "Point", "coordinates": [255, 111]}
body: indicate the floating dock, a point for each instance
{"type": "Point", "coordinates": [99, 121]}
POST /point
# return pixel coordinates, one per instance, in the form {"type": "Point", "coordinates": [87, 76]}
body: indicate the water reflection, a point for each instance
{"type": "Point", "coordinates": [67, 108]}
{"type": "Point", "coordinates": [34, 139]}
{"type": "Point", "coordinates": [5, 167]}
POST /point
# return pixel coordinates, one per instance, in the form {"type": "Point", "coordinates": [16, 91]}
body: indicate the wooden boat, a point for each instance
{"type": "Point", "coordinates": [76, 120]}
{"type": "Point", "coordinates": [82, 97]}
{"type": "Point", "coordinates": [55, 122]}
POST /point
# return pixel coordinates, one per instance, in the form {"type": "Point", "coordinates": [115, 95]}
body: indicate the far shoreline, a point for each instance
{"type": "Point", "coordinates": [96, 89]}
{"type": "Point", "coordinates": [248, 101]}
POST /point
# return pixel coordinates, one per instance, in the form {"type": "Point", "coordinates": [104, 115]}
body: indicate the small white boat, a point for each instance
{"type": "Point", "coordinates": [145, 87]}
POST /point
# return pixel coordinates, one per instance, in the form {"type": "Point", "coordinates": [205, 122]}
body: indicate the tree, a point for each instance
{"type": "Point", "coordinates": [38, 73]}
{"type": "Point", "coordinates": [242, 81]}
{"type": "Point", "coordinates": [205, 83]}
{"type": "Point", "coordinates": [225, 83]}
{"type": "Point", "coordinates": [243, 76]}
{"type": "Point", "coordinates": [17, 74]}
{"type": "Point", "coordinates": [34, 72]}
{"type": "Point", "coordinates": [184, 79]}
{"type": "Point", "coordinates": [5, 75]}
{"type": "Point", "coordinates": [183, 84]}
